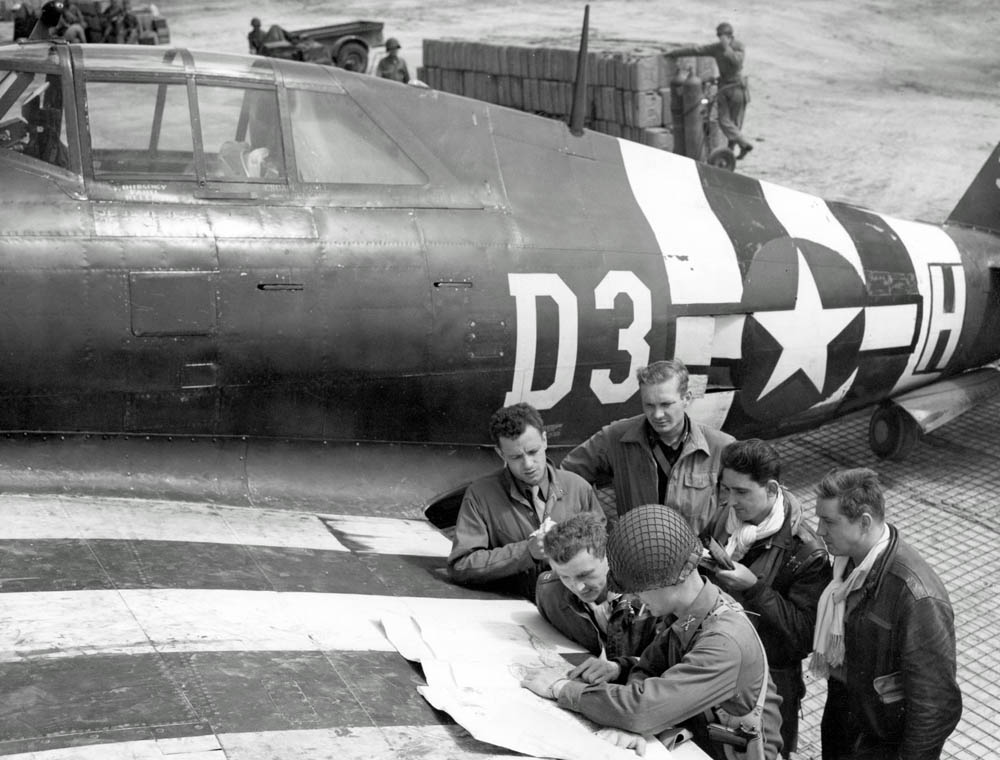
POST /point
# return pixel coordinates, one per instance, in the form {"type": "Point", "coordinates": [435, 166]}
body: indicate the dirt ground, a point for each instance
{"type": "Point", "coordinates": [885, 103]}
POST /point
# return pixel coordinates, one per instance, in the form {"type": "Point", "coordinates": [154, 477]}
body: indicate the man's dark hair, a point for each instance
{"type": "Point", "coordinates": [857, 491]}
{"type": "Point", "coordinates": [662, 371]}
{"type": "Point", "coordinates": [511, 421]}
{"type": "Point", "coordinates": [753, 457]}
{"type": "Point", "coordinates": [583, 531]}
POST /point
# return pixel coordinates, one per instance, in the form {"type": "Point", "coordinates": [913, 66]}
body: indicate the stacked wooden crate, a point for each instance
{"type": "Point", "coordinates": [628, 93]}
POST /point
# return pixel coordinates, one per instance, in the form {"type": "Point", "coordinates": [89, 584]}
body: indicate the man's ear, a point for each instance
{"type": "Point", "coordinates": [773, 488]}
{"type": "Point", "coordinates": [866, 521]}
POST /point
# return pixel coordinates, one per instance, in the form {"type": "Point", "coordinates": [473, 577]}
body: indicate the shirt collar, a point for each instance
{"type": "Point", "coordinates": [654, 439]}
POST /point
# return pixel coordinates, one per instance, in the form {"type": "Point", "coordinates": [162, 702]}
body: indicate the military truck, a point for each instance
{"type": "Point", "coordinates": [346, 44]}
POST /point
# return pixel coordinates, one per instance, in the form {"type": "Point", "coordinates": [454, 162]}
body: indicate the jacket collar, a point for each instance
{"type": "Point", "coordinates": [693, 440]}
{"type": "Point", "coordinates": [873, 583]}
{"type": "Point", "coordinates": [689, 621]}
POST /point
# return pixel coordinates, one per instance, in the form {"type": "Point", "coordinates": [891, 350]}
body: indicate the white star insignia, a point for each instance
{"type": "Point", "coordinates": [804, 333]}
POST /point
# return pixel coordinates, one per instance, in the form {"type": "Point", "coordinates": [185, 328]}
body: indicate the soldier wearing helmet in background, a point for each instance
{"type": "Point", "coordinates": [708, 660]}
{"type": "Point", "coordinates": [733, 95]}
{"type": "Point", "coordinates": [392, 66]}
{"type": "Point", "coordinates": [255, 37]}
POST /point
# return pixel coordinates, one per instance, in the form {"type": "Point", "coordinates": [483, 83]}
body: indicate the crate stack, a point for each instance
{"type": "Point", "coordinates": [628, 93]}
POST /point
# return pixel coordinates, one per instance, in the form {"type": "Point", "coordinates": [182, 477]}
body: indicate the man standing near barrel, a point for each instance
{"type": "Point", "coordinates": [733, 95]}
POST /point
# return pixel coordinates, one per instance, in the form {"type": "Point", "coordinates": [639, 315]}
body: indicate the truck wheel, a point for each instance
{"type": "Point", "coordinates": [353, 56]}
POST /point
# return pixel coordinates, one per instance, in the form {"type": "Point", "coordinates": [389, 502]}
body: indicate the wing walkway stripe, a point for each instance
{"type": "Point", "coordinates": [58, 624]}
{"type": "Point", "coordinates": [37, 518]}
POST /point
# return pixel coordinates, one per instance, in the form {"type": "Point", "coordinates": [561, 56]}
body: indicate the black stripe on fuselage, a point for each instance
{"type": "Point", "coordinates": [78, 564]}
{"type": "Point", "coordinates": [742, 209]}
{"type": "Point", "coordinates": [889, 280]}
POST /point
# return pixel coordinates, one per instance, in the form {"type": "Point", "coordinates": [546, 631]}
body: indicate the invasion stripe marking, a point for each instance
{"type": "Point", "coordinates": [198, 694]}
{"type": "Point", "coordinates": [48, 625]}
{"type": "Point", "coordinates": [934, 254]}
{"type": "Point", "coordinates": [808, 217]}
{"type": "Point", "coordinates": [388, 535]}
{"type": "Point", "coordinates": [25, 517]}
{"type": "Point", "coordinates": [889, 327]}
{"type": "Point", "coordinates": [698, 254]}
{"type": "Point", "coordinates": [57, 565]}
{"type": "Point", "coordinates": [739, 203]}
{"type": "Point", "coordinates": [354, 743]}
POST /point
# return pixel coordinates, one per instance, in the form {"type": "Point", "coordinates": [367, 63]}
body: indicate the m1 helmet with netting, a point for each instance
{"type": "Point", "coordinates": [652, 547]}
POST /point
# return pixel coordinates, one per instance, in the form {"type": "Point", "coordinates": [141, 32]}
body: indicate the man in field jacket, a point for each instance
{"type": "Point", "coordinates": [661, 456]}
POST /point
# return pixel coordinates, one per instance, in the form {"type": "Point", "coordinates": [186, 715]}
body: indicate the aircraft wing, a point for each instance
{"type": "Point", "coordinates": [153, 629]}
{"type": "Point", "coordinates": [147, 629]}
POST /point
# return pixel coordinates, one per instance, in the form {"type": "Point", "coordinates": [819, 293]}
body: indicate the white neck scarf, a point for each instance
{"type": "Point", "coordinates": [743, 535]}
{"type": "Point", "coordinates": [828, 639]}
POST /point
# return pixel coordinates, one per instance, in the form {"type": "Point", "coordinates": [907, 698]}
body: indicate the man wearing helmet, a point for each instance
{"type": "Point", "coordinates": [255, 37]}
{"type": "Point", "coordinates": [708, 661]}
{"type": "Point", "coordinates": [574, 597]}
{"type": "Point", "coordinates": [733, 95]}
{"type": "Point", "coordinates": [392, 66]}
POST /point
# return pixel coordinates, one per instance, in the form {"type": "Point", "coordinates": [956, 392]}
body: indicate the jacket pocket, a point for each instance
{"type": "Point", "coordinates": [891, 703]}
{"type": "Point", "coordinates": [697, 480]}
{"type": "Point", "coordinates": [889, 688]}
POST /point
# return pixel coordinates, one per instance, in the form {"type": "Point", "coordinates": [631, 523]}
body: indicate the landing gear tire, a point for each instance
{"type": "Point", "coordinates": [722, 158]}
{"type": "Point", "coordinates": [892, 433]}
{"type": "Point", "coordinates": [353, 56]}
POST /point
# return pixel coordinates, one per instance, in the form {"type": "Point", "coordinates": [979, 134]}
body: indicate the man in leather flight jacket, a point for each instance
{"type": "Point", "coordinates": [885, 633]}
{"type": "Point", "coordinates": [780, 567]}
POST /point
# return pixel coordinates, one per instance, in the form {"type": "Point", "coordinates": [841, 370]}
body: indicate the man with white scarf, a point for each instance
{"type": "Point", "coordinates": [885, 633]}
{"type": "Point", "coordinates": [780, 567]}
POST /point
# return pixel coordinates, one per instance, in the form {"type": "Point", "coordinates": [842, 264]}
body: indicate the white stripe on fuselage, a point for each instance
{"type": "Point", "coordinates": [699, 256]}
{"type": "Point", "coordinates": [808, 217]}
{"type": "Point", "coordinates": [931, 248]}
{"type": "Point", "coordinates": [55, 624]}
{"type": "Point", "coordinates": [40, 518]}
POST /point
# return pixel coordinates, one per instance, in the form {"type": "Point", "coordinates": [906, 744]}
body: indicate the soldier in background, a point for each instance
{"type": "Point", "coordinates": [733, 95]}
{"type": "Point", "coordinates": [24, 20]}
{"type": "Point", "coordinates": [392, 66]}
{"type": "Point", "coordinates": [73, 26]}
{"type": "Point", "coordinates": [255, 37]}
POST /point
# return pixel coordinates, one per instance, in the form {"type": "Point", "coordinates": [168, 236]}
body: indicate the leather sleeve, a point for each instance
{"type": "Point", "coordinates": [788, 619]}
{"type": "Point", "coordinates": [933, 702]}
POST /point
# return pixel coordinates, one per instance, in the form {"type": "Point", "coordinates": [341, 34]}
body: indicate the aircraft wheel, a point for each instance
{"type": "Point", "coordinates": [722, 158]}
{"type": "Point", "coordinates": [353, 56]}
{"type": "Point", "coordinates": [892, 433]}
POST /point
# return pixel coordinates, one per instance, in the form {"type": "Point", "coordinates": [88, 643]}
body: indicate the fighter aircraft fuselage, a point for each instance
{"type": "Point", "coordinates": [193, 243]}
